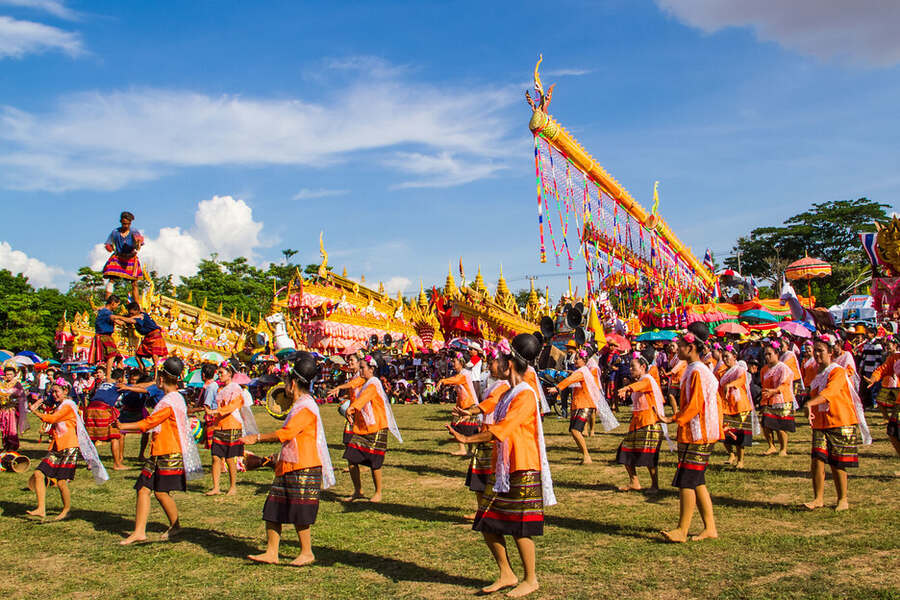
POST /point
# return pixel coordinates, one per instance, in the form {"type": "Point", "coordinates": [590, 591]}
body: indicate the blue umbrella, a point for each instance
{"type": "Point", "coordinates": [761, 316]}
{"type": "Point", "coordinates": [657, 336]}
{"type": "Point", "coordinates": [132, 361]}
{"type": "Point", "coordinates": [4, 355]}
{"type": "Point", "coordinates": [34, 357]}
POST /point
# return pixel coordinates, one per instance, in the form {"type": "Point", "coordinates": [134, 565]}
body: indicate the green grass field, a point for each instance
{"type": "Point", "coordinates": [598, 542]}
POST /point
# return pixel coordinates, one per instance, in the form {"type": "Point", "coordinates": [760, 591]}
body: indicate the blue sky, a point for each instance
{"type": "Point", "coordinates": [400, 129]}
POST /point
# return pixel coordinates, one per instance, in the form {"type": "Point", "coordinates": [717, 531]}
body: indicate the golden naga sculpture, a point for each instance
{"type": "Point", "coordinates": [542, 100]}
{"type": "Point", "coordinates": [888, 242]}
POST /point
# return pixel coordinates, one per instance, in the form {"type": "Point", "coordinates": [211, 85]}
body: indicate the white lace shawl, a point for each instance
{"type": "Point", "coordinates": [545, 406]}
{"type": "Point", "coordinates": [776, 377]}
{"type": "Point", "coordinates": [489, 417]}
{"type": "Point", "coordinates": [821, 382]}
{"type": "Point", "coordinates": [740, 369]}
{"type": "Point", "coordinates": [607, 418]}
{"type": "Point", "coordinates": [193, 468]}
{"type": "Point", "coordinates": [289, 451]}
{"type": "Point", "coordinates": [88, 450]}
{"type": "Point", "coordinates": [368, 412]}
{"type": "Point", "coordinates": [710, 400]}
{"type": "Point", "coordinates": [637, 404]}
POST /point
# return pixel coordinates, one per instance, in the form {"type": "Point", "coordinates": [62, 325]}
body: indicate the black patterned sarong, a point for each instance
{"type": "Point", "coordinates": [294, 497]}
{"type": "Point", "coordinates": [368, 449]}
{"type": "Point", "coordinates": [60, 464]}
{"type": "Point", "coordinates": [640, 447]}
{"type": "Point", "coordinates": [480, 467]}
{"type": "Point", "coordinates": [738, 429]}
{"type": "Point", "coordinates": [518, 512]}
{"type": "Point", "coordinates": [163, 473]}
{"type": "Point", "coordinates": [837, 446]}
{"type": "Point", "coordinates": [226, 443]}
{"type": "Point", "coordinates": [692, 462]}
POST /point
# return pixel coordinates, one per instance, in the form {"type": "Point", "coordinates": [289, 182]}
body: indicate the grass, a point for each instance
{"type": "Point", "coordinates": [598, 542]}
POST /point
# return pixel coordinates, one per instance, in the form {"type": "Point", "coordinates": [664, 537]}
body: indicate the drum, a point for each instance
{"type": "Point", "coordinates": [198, 429]}
{"type": "Point", "coordinates": [344, 407]}
{"type": "Point", "coordinates": [278, 404]}
{"type": "Point", "coordinates": [14, 462]}
{"type": "Point", "coordinates": [255, 461]}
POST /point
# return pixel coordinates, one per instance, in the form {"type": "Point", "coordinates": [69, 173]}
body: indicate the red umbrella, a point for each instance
{"type": "Point", "coordinates": [731, 328]}
{"type": "Point", "coordinates": [623, 344]}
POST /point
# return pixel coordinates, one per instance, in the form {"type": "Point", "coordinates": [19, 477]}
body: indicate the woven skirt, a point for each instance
{"type": "Point", "coordinates": [640, 447]}
{"type": "Point", "coordinates": [100, 421]}
{"type": "Point", "coordinates": [466, 427]}
{"type": "Point", "coordinates": [579, 418]}
{"type": "Point", "coordinates": [294, 497]}
{"type": "Point", "coordinates": [226, 443]}
{"type": "Point", "coordinates": [692, 462]}
{"type": "Point", "coordinates": [368, 449]}
{"type": "Point", "coordinates": [102, 348]}
{"type": "Point", "coordinates": [153, 345]}
{"type": "Point", "coordinates": [518, 512]}
{"type": "Point", "coordinates": [887, 397]}
{"type": "Point", "coordinates": [893, 426]}
{"type": "Point", "coordinates": [60, 464]}
{"type": "Point", "coordinates": [348, 433]}
{"type": "Point", "coordinates": [163, 473]}
{"type": "Point", "coordinates": [480, 467]}
{"type": "Point", "coordinates": [738, 429]}
{"type": "Point", "coordinates": [837, 446]}
{"type": "Point", "coordinates": [779, 418]}
{"type": "Point", "coordinates": [122, 267]}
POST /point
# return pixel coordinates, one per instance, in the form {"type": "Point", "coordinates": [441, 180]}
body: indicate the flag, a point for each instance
{"type": "Point", "coordinates": [708, 260]}
{"type": "Point", "coordinates": [868, 244]}
{"type": "Point", "coordinates": [596, 326]}
{"type": "Point", "coordinates": [655, 198]}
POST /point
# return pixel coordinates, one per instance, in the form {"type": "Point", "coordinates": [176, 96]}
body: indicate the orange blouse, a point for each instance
{"type": "Point", "coordinates": [735, 400]}
{"type": "Point", "coordinates": [302, 427]}
{"type": "Point", "coordinates": [786, 389]}
{"type": "Point", "coordinates": [167, 441]}
{"type": "Point", "coordinates": [359, 423]}
{"type": "Point", "coordinates": [463, 398]}
{"type": "Point", "coordinates": [519, 428]}
{"type": "Point", "coordinates": [809, 372]}
{"type": "Point", "coordinates": [490, 403]}
{"type": "Point", "coordinates": [654, 373]}
{"type": "Point", "coordinates": [676, 373]}
{"type": "Point", "coordinates": [65, 415]}
{"type": "Point", "coordinates": [229, 401]}
{"type": "Point", "coordinates": [580, 397]}
{"type": "Point", "coordinates": [646, 415]}
{"type": "Point", "coordinates": [690, 407]}
{"type": "Point", "coordinates": [886, 369]}
{"type": "Point", "coordinates": [840, 411]}
{"type": "Point", "coordinates": [794, 366]}
{"type": "Point", "coordinates": [531, 379]}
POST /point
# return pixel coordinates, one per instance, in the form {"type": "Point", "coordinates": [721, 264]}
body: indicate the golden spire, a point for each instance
{"type": "Point", "coordinates": [570, 287]}
{"type": "Point", "coordinates": [381, 288]}
{"type": "Point", "coordinates": [423, 299]}
{"type": "Point", "coordinates": [532, 296]}
{"type": "Point", "coordinates": [190, 298]}
{"type": "Point", "coordinates": [220, 308]}
{"type": "Point", "coordinates": [502, 288]}
{"type": "Point", "coordinates": [344, 273]}
{"type": "Point", "coordinates": [362, 279]}
{"type": "Point", "coordinates": [479, 282]}
{"type": "Point", "coordinates": [450, 284]}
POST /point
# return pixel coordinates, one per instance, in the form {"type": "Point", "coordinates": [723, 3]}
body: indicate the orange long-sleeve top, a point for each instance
{"type": "Point", "coordinates": [690, 407]}
{"type": "Point", "coordinates": [887, 369]}
{"type": "Point", "coordinates": [490, 403]}
{"type": "Point", "coordinates": [642, 413]}
{"type": "Point", "coordinates": [354, 385]}
{"type": "Point", "coordinates": [580, 397]}
{"type": "Point", "coordinates": [303, 428]}
{"type": "Point", "coordinates": [786, 388]}
{"type": "Point", "coordinates": [463, 398]}
{"type": "Point", "coordinates": [676, 373]}
{"type": "Point", "coordinates": [519, 428]}
{"type": "Point", "coordinates": [366, 395]}
{"type": "Point", "coordinates": [66, 416]}
{"type": "Point", "coordinates": [167, 441]}
{"type": "Point", "coordinates": [734, 399]}
{"type": "Point", "coordinates": [794, 366]}
{"type": "Point", "coordinates": [810, 370]}
{"type": "Point", "coordinates": [229, 399]}
{"type": "Point", "coordinates": [710, 362]}
{"type": "Point", "coordinates": [840, 411]}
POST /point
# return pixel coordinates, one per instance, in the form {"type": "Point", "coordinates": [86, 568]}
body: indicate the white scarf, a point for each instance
{"type": "Point", "coordinates": [710, 400]}
{"type": "Point", "coordinates": [193, 468]}
{"type": "Point", "coordinates": [740, 369]}
{"type": "Point", "coordinates": [489, 417]}
{"type": "Point", "coordinates": [243, 415]}
{"type": "Point", "coordinates": [501, 483]}
{"type": "Point", "coordinates": [289, 451]}
{"type": "Point", "coordinates": [88, 450]}
{"type": "Point", "coordinates": [368, 411]}
{"type": "Point", "coordinates": [846, 361]}
{"type": "Point", "coordinates": [607, 418]}
{"type": "Point", "coordinates": [821, 382]}
{"type": "Point", "coordinates": [776, 377]}
{"type": "Point", "coordinates": [544, 406]}
{"type": "Point", "coordinates": [637, 404]}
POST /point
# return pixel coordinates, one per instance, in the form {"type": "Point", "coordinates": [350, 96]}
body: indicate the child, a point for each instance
{"type": "Point", "coordinates": [103, 346]}
{"type": "Point", "coordinates": [124, 244]}
{"type": "Point", "coordinates": [152, 346]}
{"type": "Point", "coordinates": [101, 416]}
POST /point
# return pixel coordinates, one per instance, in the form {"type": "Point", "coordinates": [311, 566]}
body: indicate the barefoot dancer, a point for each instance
{"type": "Point", "coordinates": [303, 467]}
{"type": "Point", "coordinates": [352, 385]}
{"type": "Point", "coordinates": [229, 424]}
{"type": "Point", "coordinates": [174, 458]}
{"type": "Point", "coordinates": [889, 376]}
{"type": "Point", "coordinates": [520, 486]}
{"type": "Point", "coordinates": [13, 407]}
{"type": "Point", "coordinates": [699, 425]}
{"type": "Point", "coordinates": [837, 419]}
{"type": "Point", "coordinates": [777, 401]}
{"type": "Point", "coordinates": [739, 417]}
{"type": "Point", "coordinates": [587, 399]}
{"type": "Point", "coordinates": [68, 437]}
{"type": "Point", "coordinates": [152, 345]}
{"type": "Point", "coordinates": [640, 447]}
{"type": "Point", "coordinates": [124, 243]}
{"type": "Point", "coordinates": [674, 373]}
{"type": "Point", "coordinates": [371, 415]}
{"type": "Point", "coordinates": [465, 399]}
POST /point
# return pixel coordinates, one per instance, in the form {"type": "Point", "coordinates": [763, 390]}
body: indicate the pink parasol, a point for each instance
{"type": "Point", "coordinates": [731, 328]}
{"type": "Point", "coordinates": [240, 379]}
{"type": "Point", "coordinates": [795, 328]}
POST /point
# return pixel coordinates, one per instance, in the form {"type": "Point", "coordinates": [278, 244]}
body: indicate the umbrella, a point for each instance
{"type": "Point", "coordinates": [758, 315]}
{"type": "Point", "coordinates": [268, 379]}
{"type": "Point", "coordinates": [34, 357]}
{"type": "Point", "coordinates": [5, 355]}
{"type": "Point", "coordinates": [657, 336]}
{"type": "Point", "coordinates": [624, 345]}
{"type": "Point", "coordinates": [23, 361]}
{"type": "Point", "coordinates": [807, 268]}
{"type": "Point", "coordinates": [240, 379]}
{"type": "Point", "coordinates": [731, 328]}
{"type": "Point", "coordinates": [212, 357]}
{"type": "Point", "coordinates": [194, 377]}
{"type": "Point", "coordinates": [284, 352]}
{"type": "Point", "coordinates": [337, 360]}
{"type": "Point", "coordinates": [796, 328]}
{"type": "Point", "coordinates": [261, 357]}
{"type": "Point", "coordinates": [132, 361]}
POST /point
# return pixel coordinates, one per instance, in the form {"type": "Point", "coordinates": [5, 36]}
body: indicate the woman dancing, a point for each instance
{"type": "Point", "coordinates": [174, 458]}
{"type": "Point", "coordinates": [230, 422]}
{"type": "Point", "coordinates": [739, 422]}
{"type": "Point", "coordinates": [520, 486]}
{"type": "Point", "coordinates": [465, 399]}
{"type": "Point", "coordinates": [302, 469]}
{"type": "Point", "coordinates": [777, 401]}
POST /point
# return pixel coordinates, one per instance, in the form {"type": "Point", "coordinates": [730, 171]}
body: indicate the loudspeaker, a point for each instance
{"type": "Point", "coordinates": [548, 327]}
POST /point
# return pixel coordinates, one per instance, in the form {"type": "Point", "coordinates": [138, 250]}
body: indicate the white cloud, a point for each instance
{"type": "Point", "coordinates": [568, 72]}
{"type": "Point", "coordinates": [310, 194]}
{"type": "Point", "coordinates": [862, 31]}
{"type": "Point", "coordinates": [52, 7]}
{"type": "Point", "coordinates": [396, 284]}
{"type": "Point", "coordinates": [18, 38]}
{"type": "Point", "coordinates": [39, 273]}
{"type": "Point", "coordinates": [440, 170]}
{"type": "Point", "coordinates": [222, 224]}
{"type": "Point", "coordinates": [139, 134]}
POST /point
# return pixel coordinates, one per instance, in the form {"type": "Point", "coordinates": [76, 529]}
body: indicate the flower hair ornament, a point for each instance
{"type": "Point", "coordinates": [369, 360]}
{"type": "Point", "coordinates": [730, 348]}
{"type": "Point", "coordinates": [689, 338]}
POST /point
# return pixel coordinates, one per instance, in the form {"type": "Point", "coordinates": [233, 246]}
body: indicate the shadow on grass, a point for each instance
{"type": "Point", "coordinates": [428, 470]}
{"type": "Point", "coordinates": [646, 533]}
{"type": "Point", "coordinates": [392, 568]}
{"type": "Point", "coordinates": [420, 513]}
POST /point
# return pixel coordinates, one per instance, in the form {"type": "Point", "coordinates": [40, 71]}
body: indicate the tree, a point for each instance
{"type": "Point", "coordinates": [288, 254]}
{"type": "Point", "coordinates": [828, 231]}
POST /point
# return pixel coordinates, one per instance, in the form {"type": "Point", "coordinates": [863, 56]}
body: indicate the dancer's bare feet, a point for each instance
{"type": "Point", "coordinates": [354, 497]}
{"type": "Point", "coordinates": [652, 491]}
{"type": "Point", "coordinates": [770, 451]}
{"type": "Point", "coordinates": [706, 534]}
{"type": "Point", "coordinates": [62, 516]}
{"type": "Point", "coordinates": [459, 453]}
{"type": "Point", "coordinates": [523, 589]}
{"type": "Point", "coordinates": [814, 504]}
{"type": "Point", "coordinates": [505, 581]}
{"type": "Point", "coordinates": [170, 534]}
{"type": "Point", "coordinates": [586, 460]}
{"type": "Point", "coordinates": [739, 465]}
{"type": "Point", "coordinates": [303, 560]}
{"type": "Point", "coordinates": [675, 536]}
{"type": "Point", "coordinates": [37, 513]}
{"type": "Point", "coordinates": [231, 492]}
{"type": "Point", "coordinates": [212, 493]}
{"type": "Point", "coordinates": [731, 459]}
{"type": "Point", "coordinates": [265, 557]}
{"type": "Point", "coordinates": [842, 505]}
{"type": "Point", "coordinates": [783, 453]}
{"type": "Point", "coordinates": [120, 468]}
{"type": "Point", "coordinates": [469, 517]}
{"type": "Point", "coordinates": [375, 497]}
{"type": "Point", "coordinates": [629, 488]}
{"type": "Point", "coordinates": [133, 539]}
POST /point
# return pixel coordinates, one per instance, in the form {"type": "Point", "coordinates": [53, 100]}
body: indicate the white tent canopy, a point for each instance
{"type": "Point", "coordinates": [855, 308]}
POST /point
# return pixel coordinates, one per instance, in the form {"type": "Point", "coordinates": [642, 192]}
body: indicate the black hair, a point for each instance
{"type": "Point", "coordinates": [126, 215]}
{"type": "Point", "coordinates": [133, 306]}
{"type": "Point", "coordinates": [701, 332]}
{"type": "Point", "coordinates": [207, 371]}
{"type": "Point", "coordinates": [146, 378]}
{"type": "Point", "coordinates": [304, 369]}
{"type": "Point", "coordinates": [524, 349]}
{"type": "Point", "coordinates": [10, 368]}
{"type": "Point", "coordinates": [113, 299]}
{"type": "Point", "coordinates": [117, 373]}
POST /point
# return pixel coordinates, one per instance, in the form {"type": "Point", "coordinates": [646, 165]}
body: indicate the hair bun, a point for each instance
{"type": "Point", "coordinates": [526, 346]}
{"type": "Point", "coordinates": [305, 365]}
{"type": "Point", "coordinates": [173, 367]}
{"type": "Point", "coordinates": [699, 329]}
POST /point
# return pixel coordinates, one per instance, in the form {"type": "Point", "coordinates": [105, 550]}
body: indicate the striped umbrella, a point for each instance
{"type": "Point", "coordinates": [807, 268]}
